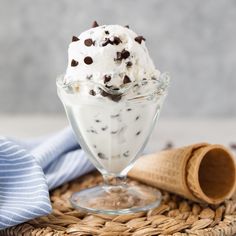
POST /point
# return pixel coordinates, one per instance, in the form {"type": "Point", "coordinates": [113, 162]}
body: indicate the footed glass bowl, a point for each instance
{"type": "Point", "coordinates": [113, 129]}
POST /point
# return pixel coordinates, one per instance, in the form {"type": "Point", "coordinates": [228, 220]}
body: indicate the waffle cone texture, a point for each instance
{"type": "Point", "coordinates": [200, 172]}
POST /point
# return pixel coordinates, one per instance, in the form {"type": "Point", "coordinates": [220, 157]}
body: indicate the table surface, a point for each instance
{"type": "Point", "coordinates": [179, 131]}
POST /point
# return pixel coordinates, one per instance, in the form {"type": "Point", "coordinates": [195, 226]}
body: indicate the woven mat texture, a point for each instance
{"type": "Point", "coordinates": [175, 216]}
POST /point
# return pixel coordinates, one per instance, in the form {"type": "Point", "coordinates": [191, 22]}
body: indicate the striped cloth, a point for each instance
{"type": "Point", "coordinates": [28, 169]}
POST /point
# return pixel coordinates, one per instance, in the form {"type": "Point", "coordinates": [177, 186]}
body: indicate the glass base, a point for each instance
{"type": "Point", "coordinates": [116, 200]}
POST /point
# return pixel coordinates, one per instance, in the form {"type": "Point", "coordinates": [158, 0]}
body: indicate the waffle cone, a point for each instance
{"type": "Point", "coordinates": [211, 174]}
{"type": "Point", "coordinates": [166, 170]}
{"type": "Point", "coordinates": [184, 171]}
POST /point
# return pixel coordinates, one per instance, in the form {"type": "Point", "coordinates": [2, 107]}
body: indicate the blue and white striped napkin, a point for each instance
{"type": "Point", "coordinates": [28, 169]}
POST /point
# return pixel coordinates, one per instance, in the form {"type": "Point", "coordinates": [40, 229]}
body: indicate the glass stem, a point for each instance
{"type": "Point", "coordinates": [114, 180]}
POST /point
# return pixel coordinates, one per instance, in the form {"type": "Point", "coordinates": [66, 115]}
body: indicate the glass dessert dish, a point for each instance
{"type": "Point", "coordinates": [113, 129]}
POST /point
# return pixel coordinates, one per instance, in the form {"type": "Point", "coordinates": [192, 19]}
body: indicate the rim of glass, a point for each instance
{"type": "Point", "coordinates": [160, 86]}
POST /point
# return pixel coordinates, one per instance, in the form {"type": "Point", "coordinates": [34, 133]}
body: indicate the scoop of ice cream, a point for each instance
{"type": "Point", "coordinates": [111, 56]}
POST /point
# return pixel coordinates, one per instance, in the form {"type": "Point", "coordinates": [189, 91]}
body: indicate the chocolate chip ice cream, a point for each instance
{"type": "Point", "coordinates": [112, 93]}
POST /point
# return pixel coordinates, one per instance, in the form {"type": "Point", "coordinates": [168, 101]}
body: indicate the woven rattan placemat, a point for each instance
{"type": "Point", "coordinates": [175, 216]}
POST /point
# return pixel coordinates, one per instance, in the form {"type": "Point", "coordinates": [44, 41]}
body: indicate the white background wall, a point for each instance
{"type": "Point", "coordinates": [194, 40]}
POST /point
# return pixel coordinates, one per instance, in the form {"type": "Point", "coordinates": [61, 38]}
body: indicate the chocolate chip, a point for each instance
{"type": "Point", "coordinates": [114, 132]}
{"type": "Point", "coordinates": [137, 118]}
{"type": "Point", "coordinates": [113, 40]}
{"type": "Point", "coordinates": [107, 78]}
{"type": "Point", "coordinates": [104, 128]}
{"type": "Point", "coordinates": [126, 154]}
{"type": "Point", "coordinates": [88, 42]}
{"type": "Point", "coordinates": [115, 89]}
{"type": "Point", "coordinates": [129, 64]}
{"type": "Point", "coordinates": [106, 41]}
{"type": "Point", "coordinates": [115, 97]}
{"type": "Point", "coordinates": [125, 54]}
{"type": "Point", "coordinates": [104, 93]}
{"type": "Point", "coordinates": [108, 86]}
{"type": "Point", "coordinates": [138, 133]}
{"type": "Point", "coordinates": [139, 39]}
{"type": "Point", "coordinates": [88, 60]}
{"type": "Point", "coordinates": [97, 121]}
{"type": "Point", "coordinates": [93, 131]}
{"type": "Point", "coordinates": [233, 146]}
{"type": "Point", "coordinates": [89, 77]}
{"type": "Point", "coordinates": [115, 116]}
{"type": "Point", "coordinates": [119, 56]}
{"type": "Point", "coordinates": [127, 26]}
{"type": "Point", "coordinates": [95, 24]}
{"type": "Point", "coordinates": [117, 40]}
{"type": "Point", "coordinates": [102, 156]}
{"type": "Point", "coordinates": [106, 32]}
{"type": "Point", "coordinates": [74, 39]}
{"type": "Point", "coordinates": [74, 63]}
{"type": "Point", "coordinates": [169, 145]}
{"type": "Point", "coordinates": [129, 109]}
{"type": "Point", "coordinates": [126, 80]}
{"type": "Point", "coordinates": [92, 92]}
